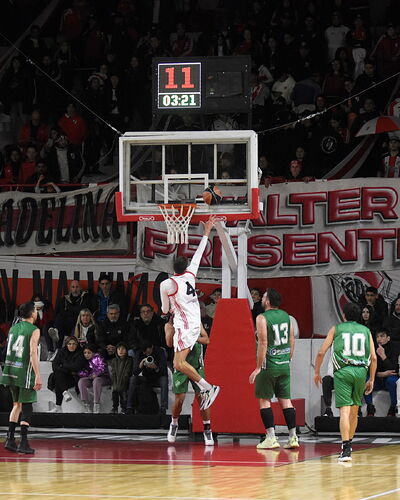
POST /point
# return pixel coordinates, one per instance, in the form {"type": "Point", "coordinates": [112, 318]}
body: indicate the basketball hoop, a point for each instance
{"type": "Point", "coordinates": [177, 217]}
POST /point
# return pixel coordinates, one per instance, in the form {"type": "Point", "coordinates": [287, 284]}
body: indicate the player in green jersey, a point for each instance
{"type": "Point", "coordinates": [21, 374]}
{"type": "Point", "coordinates": [272, 375]}
{"type": "Point", "coordinates": [352, 352]}
{"type": "Point", "coordinates": [180, 383]}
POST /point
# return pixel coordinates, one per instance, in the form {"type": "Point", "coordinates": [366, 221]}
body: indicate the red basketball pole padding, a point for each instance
{"type": "Point", "coordinates": [230, 358]}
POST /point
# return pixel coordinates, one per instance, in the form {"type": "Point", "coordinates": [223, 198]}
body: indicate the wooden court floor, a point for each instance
{"type": "Point", "coordinates": [152, 469]}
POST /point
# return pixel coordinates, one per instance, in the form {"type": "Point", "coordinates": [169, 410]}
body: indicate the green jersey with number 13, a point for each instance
{"type": "Point", "coordinates": [278, 334]}
{"type": "Point", "coordinates": [18, 369]}
{"type": "Point", "coordinates": [351, 345]}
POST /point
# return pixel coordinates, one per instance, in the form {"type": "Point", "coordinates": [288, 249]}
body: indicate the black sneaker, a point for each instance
{"type": "Point", "coordinates": [25, 448]}
{"type": "Point", "coordinates": [370, 410]}
{"type": "Point", "coordinates": [328, 412]}
{"type": "Point", "coordinates": [11, 445]}
{"type": "Point", "coordinates": [392, 411]}
{"type": "Point", "coordinates": [345, 456]}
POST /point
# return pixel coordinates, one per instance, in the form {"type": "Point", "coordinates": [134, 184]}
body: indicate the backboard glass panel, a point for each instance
{"type": "Point", "coordinates": [176, 167]}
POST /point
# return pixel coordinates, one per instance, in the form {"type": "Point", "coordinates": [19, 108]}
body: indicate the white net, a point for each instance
{"type": "Point", "coordinates": [177, 218]}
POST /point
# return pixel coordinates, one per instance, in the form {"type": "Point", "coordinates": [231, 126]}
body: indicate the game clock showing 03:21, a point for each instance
{"type": "Point", "coordinates": [179, 85]}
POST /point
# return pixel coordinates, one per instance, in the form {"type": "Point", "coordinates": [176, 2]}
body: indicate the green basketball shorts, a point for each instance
{"type": "Point", "coordinates": [273, 381]}
{"type": "Point", "coordinates": [180, 382]}
{"type": "Point", "coordinates": [349, 385]}
{"type": "Point", "coordinates": [22, 395]}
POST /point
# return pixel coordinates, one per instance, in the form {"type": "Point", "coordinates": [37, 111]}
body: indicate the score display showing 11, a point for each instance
{"type": "Point", "coordinates": [179, 100]}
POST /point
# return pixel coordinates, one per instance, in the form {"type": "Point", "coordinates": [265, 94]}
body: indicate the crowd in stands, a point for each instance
{"type": "Point", "coordinates": [307, 56]}
{"type": "Point", "coordinates": [93, 342]}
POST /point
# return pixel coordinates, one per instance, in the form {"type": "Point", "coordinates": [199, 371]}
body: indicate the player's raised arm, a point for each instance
{"type": "Point", "coordinates": [320, 356]}
{"type": "Point", "coordinates": [196, 259]}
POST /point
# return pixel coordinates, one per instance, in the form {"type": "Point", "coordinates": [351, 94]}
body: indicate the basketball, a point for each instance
{"type": "Point", "coordinates": [212, 195]}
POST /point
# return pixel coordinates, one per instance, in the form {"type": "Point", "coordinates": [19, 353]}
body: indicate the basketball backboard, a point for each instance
{"type": "Point", "coordinates": [176, 167]}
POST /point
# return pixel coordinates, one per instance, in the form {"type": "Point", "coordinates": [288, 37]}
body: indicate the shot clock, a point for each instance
{"type": "Point", "coordinates": [201, 85]}
{"type": "Point", "coordinates": [179, 85]}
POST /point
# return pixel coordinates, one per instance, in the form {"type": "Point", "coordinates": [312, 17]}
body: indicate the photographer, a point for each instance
{"type": "Point", "coordinates": [149, 370]}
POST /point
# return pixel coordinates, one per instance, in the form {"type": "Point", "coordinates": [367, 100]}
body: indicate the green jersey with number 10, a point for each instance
{"type": "Point", "coordinates": [351, 345]}
{"type": "Point", "coordinates": [278, 334]}
{"type": "Point", "coordinates": [18, 369]}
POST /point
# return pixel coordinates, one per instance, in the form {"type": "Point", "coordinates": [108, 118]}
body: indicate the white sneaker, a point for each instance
{"type": "Point", "coordinates": [96, 408]}
{"type": "Point", "coordinates": [56, 409]}
{"type": "Point", "coordinates": [208, 438]}
{"type": "Point", "coordinates": [208, 397]}
{"type": "Point", "coordinates": [172, 432]}
{"type": "Point", "coordinates": [67, 396]}
{"type": "Point", "coordinates": [86, 408]}
{"type": "Point", "coordinates": [53, 333]}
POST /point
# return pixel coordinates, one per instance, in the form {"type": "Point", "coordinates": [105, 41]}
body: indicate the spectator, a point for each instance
{"type": "Point", "coordinates": [147, 328]}
{"type": "Point", "coordinates": [34, 46]}
{"type": "Point", "coordinates": [368, 319]}
{"type": "Point", "coordinates": [86, 329]}
{"type": "Point", "coordinates": [121, 372]}
{"type": "Point", "coordinates": [390, 166]}
{"type": "Point", "coordinates": [44, 319]}
{"type": "Point", "coordinates": [182, 46]}
{"type": "Point", "coordinates": [95, 375]}
{"type": "Point", "coordinates": [12, 167]}
{"type": "Point", "coordinates": [283, 87]}
{"type": "Point", "coordinates": [372, 298]}
{"type": "Point", "coordinates": [392, 323]}
{"type": "Point", "coordinates": [34, 132]}
{"type": "Point", "coordinates": [303, 64]}
{"type": "Point", "coordinates": [150, 369]}
{"type": "Point", "coordinates": [333, 87]}
{"type": "Point", "coordinates": [65, 161]}
{"type": "Point", "coordinates": [68, 308]}
{"type": "Point", "coordinates": [367, 112]}
{"type": "Point", "coordinates": [73, 125]}
{"type": "Point", "coordinates": [16, 94]}
{"type": "Point", "coordinates": [387, 52]}
{"type": "Point", "coordinates": [386, 373]}
{"type": "Point", "coordinates": [106, 296]}
{"type": "Point", "coordinates": [211, 307]}
{"type": "Point", "coordinates": [256, 295]}
{"type": "Point", "coordinates": [116, 110]}
{"type": "Point", "coordinates": [335, 35]}
{"type": "Point", "coordinates": [28, 166]}
{"type": "Point", "coordinates": [68, 362]}
{"type": "Point", "coordinates": [112, 331]}
{"type": "Point", "coordinates": [369, 79]}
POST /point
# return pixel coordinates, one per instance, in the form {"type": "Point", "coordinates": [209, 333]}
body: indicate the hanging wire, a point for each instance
{"type": "Point", "coordinates": [60, 86]}
{"type": "Point", "coordinates": [313, 115]}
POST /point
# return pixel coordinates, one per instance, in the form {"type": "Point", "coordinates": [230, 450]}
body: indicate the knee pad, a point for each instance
{"type": "Point", "coordinates": [27, 410]}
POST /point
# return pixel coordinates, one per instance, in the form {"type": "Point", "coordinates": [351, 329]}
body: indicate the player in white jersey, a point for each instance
{"type": "Point", "coordinates": [178, 295]}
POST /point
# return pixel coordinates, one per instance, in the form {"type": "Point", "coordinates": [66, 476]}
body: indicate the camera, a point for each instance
{"type": "Point", "coordinates": [148, 361]}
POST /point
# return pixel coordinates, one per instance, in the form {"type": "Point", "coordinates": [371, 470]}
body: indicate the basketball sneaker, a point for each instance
{"type": "Point", "coordinates": [10, 444]}
{"type": "Point", "coordinates": [345, 456]}
{"type": "Point", "coordinates": [171, 436]}
{"type": "Point", "coordinates": [208, 397]}
{"type": "Point", "coordinates": [293, 442]}
{"type": "Point", "coordinates": [67, 396]}
{"type": "Point", "coordinates": [268, 444]}
{"type": "Point", "coordinates": [208, 438]}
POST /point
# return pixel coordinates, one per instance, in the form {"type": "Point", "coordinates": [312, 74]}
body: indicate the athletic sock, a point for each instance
{"type": "Point", "coordinates": [207, 425]}
{"type": "Point", "coordinates": [174, 421]}
{"type": "Point", "coordinates": [290, 419]}
{"type": "Point", "coordinates": [204, 385]}
{"type": "Point", "coordinates": [11, 429]}
{"type": "Point", "coordinates": [268, 419]}
{"type": "Point", "coordinates": [24, 433]}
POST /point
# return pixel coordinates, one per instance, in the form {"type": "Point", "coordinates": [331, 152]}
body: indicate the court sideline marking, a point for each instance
{"type": "Point", "coordinates": [53, 495]}
{"type": "Point", "coordinates": [381, 494]}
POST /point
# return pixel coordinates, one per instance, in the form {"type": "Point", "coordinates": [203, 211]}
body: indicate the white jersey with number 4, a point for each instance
{"type": "Point", "coordinates": [178, 294]}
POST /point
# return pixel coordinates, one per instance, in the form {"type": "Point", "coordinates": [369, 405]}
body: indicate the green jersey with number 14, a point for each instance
{"type": "Point", "coordinates": [351, 345]}
{"type": "Point", "coordinates": [278, 334]}
{"type": "Point", "coordinates": [18, 369]}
